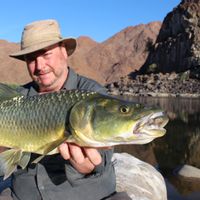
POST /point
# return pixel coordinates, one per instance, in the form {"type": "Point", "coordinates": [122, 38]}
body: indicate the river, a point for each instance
{"type": "Point", "coordinates": [180, 146]}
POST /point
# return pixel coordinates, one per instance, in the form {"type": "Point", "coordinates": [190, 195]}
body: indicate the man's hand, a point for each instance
{"type": "Point", "coordinates": [84, 159]}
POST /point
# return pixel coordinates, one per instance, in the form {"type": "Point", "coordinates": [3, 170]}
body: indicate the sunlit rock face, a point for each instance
{"type": "Point", "coordinates": [177, 47]}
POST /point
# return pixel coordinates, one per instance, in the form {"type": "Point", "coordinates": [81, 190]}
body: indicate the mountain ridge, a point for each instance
{"type": "Point", "coordinates": [104, 62]}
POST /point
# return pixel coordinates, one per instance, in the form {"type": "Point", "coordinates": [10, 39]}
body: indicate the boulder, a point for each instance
{"type": "Point", "coordinates": [139, 179]}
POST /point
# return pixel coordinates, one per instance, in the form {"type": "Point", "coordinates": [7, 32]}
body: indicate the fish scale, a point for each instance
{"type": "Point", "coordinates": [50, 112]}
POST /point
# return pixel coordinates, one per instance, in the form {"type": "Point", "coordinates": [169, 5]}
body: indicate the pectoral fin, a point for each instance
{"type": "Point", "coordinates": [25, 158]}
{"type": "Point", "coordinates": [10, 159]}
{"type": "Point", "coordinates": [49, 149]}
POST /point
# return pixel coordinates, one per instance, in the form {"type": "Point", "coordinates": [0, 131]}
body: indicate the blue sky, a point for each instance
{"type": "Point", "coordinates": [98, 19]}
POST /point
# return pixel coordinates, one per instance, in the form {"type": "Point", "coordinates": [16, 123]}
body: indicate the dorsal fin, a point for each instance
{"type": "Point", "coordinates": [8, 92]}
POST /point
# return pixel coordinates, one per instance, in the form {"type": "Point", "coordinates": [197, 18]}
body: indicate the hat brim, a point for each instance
{"type": "Point", "coordinates": [70, 45]}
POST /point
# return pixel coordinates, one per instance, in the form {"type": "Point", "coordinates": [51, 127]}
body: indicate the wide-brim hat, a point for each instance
{"type": "Point", "coordinates": [41, 34]}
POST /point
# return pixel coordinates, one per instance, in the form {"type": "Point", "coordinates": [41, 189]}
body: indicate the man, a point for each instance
{"type": "Point", "coordinates": [77, 172]}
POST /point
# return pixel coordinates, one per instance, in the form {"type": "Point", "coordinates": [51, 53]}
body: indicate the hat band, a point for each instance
{"type": "Point", "coordinates": [38, 39]}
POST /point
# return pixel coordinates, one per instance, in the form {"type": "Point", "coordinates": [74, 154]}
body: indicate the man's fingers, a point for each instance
{"type": "Point", "coordinates": [64, 151]}
{"type": "Point", "coordinates": [76, 153]}
{"type": "Point", "coordinates": [84, 159]}
{"type": "Point", "coordinates": [85, 167]}
{"type": "Point", "coordinates": [93, 155]}
{"type": "Point", "coordinates": [79, 154]}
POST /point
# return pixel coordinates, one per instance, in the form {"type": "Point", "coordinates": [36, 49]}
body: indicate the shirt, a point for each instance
{"type": "Point", "coordinates": [54, 178]}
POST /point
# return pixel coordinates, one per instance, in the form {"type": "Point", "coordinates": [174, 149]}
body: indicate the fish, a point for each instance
{"type": "Point", "coordinates": [39, 124]}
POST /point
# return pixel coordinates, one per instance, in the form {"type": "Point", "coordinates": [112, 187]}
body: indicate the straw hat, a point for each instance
{"type": "Point", "coordinates": [42, 34]}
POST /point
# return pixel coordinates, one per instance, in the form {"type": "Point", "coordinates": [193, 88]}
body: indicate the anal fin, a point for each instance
{"type": "Point", "coordinates": [9, 160]}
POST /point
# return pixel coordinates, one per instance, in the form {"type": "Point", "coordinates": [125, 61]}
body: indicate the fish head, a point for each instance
{"type": "Point", "coordinates": [106, 121]}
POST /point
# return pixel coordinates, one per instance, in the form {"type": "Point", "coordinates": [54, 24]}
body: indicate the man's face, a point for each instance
{"type": "Point", "coordinates": [48, 67]}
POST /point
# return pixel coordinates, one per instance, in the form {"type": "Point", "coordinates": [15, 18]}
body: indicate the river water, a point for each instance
{"type": "Point", "coordinates": [180, 146]}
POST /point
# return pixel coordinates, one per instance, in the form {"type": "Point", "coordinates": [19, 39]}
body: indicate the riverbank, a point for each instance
{"type": "Point", "coordinates": [157, 85]}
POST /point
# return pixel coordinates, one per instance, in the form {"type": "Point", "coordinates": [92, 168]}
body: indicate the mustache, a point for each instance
{"type": "Point", "coordinates": [41, 72]}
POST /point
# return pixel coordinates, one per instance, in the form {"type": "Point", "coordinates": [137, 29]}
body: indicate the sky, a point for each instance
{"type": "Point", "coordinates": [97, 19]}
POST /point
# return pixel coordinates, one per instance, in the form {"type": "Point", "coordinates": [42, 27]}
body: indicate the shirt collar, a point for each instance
{"type": "Point", "coordinates": [70, 83]}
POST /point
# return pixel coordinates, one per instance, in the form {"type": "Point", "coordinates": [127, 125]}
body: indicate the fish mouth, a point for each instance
{"type": "Point", "coordinates": [151, 125]}
{"type": "Point", "coordinates": [144, 130]}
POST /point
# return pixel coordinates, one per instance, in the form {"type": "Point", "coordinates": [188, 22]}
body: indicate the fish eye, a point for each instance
{"type": "Point", "coordinates": [124, 109]}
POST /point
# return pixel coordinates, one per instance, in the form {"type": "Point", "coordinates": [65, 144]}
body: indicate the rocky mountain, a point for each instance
{"type": "Point", "coordinates": [171, 46]}
{"type": "Point", "coordinates": [122, 53]}
{"type": "Point", "coordinates": [11, 70]}
{"type": "Point", "coordinates": [172, 67]}
{"type": "Point", "coordinates": [177, 47]}
{"type": "Point", "coordinates": [105, 62]}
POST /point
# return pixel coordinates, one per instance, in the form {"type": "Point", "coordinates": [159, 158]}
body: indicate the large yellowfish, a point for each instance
{"type": "Point", "coordinates": [39, 124]}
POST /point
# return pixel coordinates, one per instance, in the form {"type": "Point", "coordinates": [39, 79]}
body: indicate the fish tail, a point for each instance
{"type": "Point", "coordinates": [10, 159]}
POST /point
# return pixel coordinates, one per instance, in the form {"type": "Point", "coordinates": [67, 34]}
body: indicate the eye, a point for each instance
{"type": "Point", "coordinates": [124, 109]}
{"type": "Point", "coordinates": [47, 54]}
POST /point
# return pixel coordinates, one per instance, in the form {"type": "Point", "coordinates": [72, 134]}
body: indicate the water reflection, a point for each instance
{"type": "Point", "coordinates": [180, 146]}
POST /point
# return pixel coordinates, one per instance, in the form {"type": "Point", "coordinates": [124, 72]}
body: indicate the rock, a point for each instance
{"type": "Point", "coordinates": [172, 76]}
{"type": "Point", "coordinates": [139, 179]}
{"type": "Point", "coordinates": [189, 171]}
{"type": "Point", "coordinates": [158, 85]}
{"type": "Point", "coordinates": [177, 46]}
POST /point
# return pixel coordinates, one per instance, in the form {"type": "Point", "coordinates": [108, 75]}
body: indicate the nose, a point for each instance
{"type": "Point", "coordinates": [39, 62]}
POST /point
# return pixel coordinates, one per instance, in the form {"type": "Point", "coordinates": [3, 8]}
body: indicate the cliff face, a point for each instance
{"type": "Point", "coordinates": [177, 47]}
